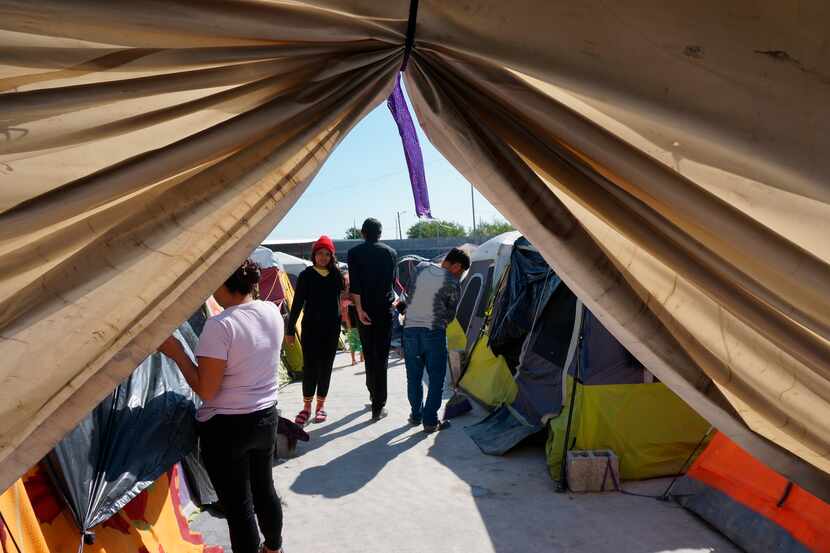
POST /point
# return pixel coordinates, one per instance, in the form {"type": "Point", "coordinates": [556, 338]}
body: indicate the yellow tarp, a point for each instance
{"type": "Point", "coordinates": [288, 291]}
{"type": "Point", "coordinates": [153, 521]}
{"type": "Point", "coordinates": [293, 353]}
{"type": "Point", "coordinates": [651, 430]}
{"type": "Point", "coordinates": [456, 339]}
{"type": "Point", "coordinates": [487, 378]}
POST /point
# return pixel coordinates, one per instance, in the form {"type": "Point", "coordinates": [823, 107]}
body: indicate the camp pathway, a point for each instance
{"type": "Point", "coordinates": [387, 487]}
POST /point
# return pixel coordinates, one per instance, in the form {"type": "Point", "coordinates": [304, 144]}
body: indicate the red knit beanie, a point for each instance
{"type": "Point", "coordinates": [323, 243]}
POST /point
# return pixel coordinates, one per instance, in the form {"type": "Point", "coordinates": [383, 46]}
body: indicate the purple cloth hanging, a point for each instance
{"type": "Point", "coordinates": [411, 150]}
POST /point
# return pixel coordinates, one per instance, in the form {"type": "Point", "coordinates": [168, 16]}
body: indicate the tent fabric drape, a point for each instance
{"type": "Point", "coordinates": [669, 162]}
{"type": "Point", "coordinates": [147, 156]}
{"type": "Point", "coordinates": [491, 143]}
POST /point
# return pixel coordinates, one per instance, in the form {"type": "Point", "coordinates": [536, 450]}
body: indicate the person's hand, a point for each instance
{"type": "Point", "coordinates": [289, 340]}
{"type": "Point", "coordinates": [364, 318]}
{"type": "Point", "coordinates": [170, 347]}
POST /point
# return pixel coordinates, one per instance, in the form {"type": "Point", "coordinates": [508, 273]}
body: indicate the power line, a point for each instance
{"type": "Point", "coordinates": [358, 183]}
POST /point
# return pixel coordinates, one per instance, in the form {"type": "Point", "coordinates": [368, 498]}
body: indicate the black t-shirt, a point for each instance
{"type": "Point", "coordinates": [371, 274]}
{"type": "Point", "coordinates": [320, 296]}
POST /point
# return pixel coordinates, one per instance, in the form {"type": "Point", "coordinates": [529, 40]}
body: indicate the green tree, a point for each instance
{"type": "Point", "coordinates": [493, 228]}
{"type": "Point", "coordinates": [435, 228]}
{"type": "Point", "coordinates": [353, 233]}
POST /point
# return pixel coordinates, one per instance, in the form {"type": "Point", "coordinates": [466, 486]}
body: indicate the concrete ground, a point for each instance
{"type": "Point", "coordinates": [390, 488]}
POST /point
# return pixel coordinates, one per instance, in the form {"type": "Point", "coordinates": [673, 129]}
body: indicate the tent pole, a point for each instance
{"type": "Point", "coordinates": [562, 485]}
{"type": "Point", "coordinates": [473, 203]}
{"type": "Point", "coordinates": [666, 495]}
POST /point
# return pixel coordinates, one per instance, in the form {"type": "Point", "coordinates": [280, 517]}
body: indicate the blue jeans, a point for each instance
{"type": "Point", "coordinates": [425, 348]}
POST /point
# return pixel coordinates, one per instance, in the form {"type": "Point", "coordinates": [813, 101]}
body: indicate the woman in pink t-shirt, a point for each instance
{"type": "Point", "coordinates": [236, 377]}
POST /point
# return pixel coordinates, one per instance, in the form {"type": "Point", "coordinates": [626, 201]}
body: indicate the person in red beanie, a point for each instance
{"type": "Point", "coordinates": [318, 294]}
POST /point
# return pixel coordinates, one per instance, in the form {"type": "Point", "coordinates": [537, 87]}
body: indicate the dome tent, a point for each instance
{"type": "Point", "coordinates": [487, 263]}
{"type": "Point", "coordinates": [539, 347]}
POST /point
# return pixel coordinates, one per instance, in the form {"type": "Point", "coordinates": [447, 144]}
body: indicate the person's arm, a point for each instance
{"type": "Point", "coordinates": [300, 295]}
{"type": "Point", "coordinates": [407, 295]}
{"type": "Point", "coordinates": [395, 272]}
{"type": "Point", "coordinates": [451, 297]}
{"type": "Point", "coordinates": [345, 299]}
{"type": "Point", "coordinates": [356, 284]}
{"type": "Point", "coordinates": [205, 378]}
{"type": "Point", "coordinates": [361, 314]}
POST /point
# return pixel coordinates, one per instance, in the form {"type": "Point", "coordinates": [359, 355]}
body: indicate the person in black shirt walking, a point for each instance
{"type": "Point", "coordinates": [372, 268]}
{"type": "Point", "coordinates": [318, 295]}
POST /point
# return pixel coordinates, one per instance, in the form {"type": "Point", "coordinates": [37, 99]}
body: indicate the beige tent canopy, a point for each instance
{"type": "Point", "coordinates": [670, 161]}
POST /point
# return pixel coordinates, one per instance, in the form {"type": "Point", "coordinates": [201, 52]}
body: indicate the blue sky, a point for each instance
{"type": "Point", "coordinates": [366, 177]}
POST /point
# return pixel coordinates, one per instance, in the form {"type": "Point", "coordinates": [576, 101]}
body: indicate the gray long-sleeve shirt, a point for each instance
{"type": "Point", "coordinates": [432, 298]}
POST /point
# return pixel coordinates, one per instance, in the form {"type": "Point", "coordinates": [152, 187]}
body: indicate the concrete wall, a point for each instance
{"type": "Point", "coordinates": [425, 247]}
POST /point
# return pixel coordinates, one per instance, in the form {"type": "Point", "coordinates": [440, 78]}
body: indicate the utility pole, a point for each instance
{"type": "Point", "coordinates": [473, 203]}
{"type": "Point", "coordinates": [400, 228]}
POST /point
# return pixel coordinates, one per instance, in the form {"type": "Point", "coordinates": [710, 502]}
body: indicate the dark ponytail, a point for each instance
{"type": "Point", "coordinates": [244, 280]}
{"type": "Point", "coordinates": [335, 270]}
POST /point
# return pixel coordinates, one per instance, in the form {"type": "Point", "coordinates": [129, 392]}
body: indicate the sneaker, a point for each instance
{"type": "Point", "coordinates": [430, 428]}
{"type": "Point", "coordinates": [377, 415]}
{"type": "Point", "coordinates": [414, 421]}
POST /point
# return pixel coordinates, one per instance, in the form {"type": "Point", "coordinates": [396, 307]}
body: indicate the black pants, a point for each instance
{"type": "Point", "coordinates": [319, 349]}
{"type": "Point", "coordinates": [376, 339]}
{"type": "Point", "coordinates": [238, 452]}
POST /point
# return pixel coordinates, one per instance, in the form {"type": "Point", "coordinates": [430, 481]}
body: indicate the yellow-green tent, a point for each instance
{"type": "Point", "coordinates": [539, 339]}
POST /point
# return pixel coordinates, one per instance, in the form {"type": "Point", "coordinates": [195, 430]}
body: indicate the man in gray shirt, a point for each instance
{"type": "Point", "coordinates": [430, 306]}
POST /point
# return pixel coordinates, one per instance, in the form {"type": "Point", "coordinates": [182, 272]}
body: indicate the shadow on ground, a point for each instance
{"type": "Point", "coordinates": [518, 504]}
{"type": "Point", "coordinates": [354, 469]}
{"type": "Point", "coordinates": [373, 487]}
{"type": "Point", "coordinates": [321, 435]}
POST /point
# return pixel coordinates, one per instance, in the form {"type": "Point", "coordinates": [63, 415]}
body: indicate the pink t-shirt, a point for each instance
{"type": "Point", "coordinates": [249, 337]}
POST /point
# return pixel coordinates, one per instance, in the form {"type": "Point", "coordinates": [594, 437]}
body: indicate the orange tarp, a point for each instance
{"type": "Point", "coordinates": [152, 522]}
{"type": "Point", "coordinates": [19, 527]}
{"type": "Point", "coordinates": [730, 469]}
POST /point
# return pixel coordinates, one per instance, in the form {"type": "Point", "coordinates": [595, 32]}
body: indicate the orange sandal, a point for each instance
{"type": "Point", "coordinates": [320, 415]}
